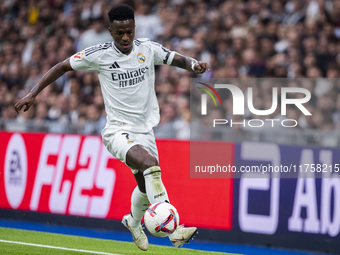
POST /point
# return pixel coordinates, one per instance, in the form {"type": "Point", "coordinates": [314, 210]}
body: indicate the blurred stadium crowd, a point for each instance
{"type": "Point", "coordinates": [240, 38]}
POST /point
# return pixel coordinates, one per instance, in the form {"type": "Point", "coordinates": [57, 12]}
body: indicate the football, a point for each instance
{"type": "Point", "coordinates": [161, 219]}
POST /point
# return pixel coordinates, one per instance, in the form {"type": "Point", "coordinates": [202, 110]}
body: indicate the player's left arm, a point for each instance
{"type": "Point", "coordinates": [190, 64]}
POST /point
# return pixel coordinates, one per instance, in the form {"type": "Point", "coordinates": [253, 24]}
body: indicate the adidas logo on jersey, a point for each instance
{"type": "Point", "coordinates": [114, 65]}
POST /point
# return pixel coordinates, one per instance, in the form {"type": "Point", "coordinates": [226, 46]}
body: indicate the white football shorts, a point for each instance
{"type": "Point", "coordinates": [119, 141]}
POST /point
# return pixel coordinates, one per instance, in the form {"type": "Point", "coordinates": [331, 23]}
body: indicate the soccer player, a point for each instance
{"type": "Point", "coordinates": [126, 74]}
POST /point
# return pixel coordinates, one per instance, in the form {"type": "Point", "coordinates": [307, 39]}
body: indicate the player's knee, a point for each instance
{"type": "Point", "coordinates": [148, 163]}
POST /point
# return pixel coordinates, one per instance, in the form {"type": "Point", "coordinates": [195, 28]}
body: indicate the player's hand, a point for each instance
{"type": "Point", "coordinates": [27, 101]}
{"type": "Point", "coordinates": [201, 67]}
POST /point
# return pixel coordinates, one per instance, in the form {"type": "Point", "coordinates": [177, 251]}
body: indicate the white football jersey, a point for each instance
{"type": "Point", "coordinates": [127, 81]}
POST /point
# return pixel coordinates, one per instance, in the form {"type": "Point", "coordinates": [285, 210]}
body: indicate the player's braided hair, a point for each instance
{"type": "Point", "coordinates": [121, 12]}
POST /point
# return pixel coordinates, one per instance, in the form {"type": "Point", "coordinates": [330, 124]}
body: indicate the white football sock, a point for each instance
{"type": "Point", "coordinates": [139, 204]}
{"type": "Point", "coordinates": [155, 189]}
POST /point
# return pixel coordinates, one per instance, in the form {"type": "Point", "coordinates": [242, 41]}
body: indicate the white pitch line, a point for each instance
{"type": "Point", "coordinates": [58, 248]}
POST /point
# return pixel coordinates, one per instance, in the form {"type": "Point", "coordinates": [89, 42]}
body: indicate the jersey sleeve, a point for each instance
{"type": "Point", "coordinates": [162, 55]}
{"type": "Point", "coordinates": [86, 59]}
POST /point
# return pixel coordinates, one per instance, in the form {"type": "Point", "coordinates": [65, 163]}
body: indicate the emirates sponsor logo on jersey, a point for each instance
{"type": "Point", "coordinates": [130, 77]}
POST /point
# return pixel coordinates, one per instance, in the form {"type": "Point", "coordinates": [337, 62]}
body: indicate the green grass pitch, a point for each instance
{"type": "Point", "coordinates": [14, 241]}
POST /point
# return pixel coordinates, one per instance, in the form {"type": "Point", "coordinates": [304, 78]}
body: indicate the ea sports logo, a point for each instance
{"type": "Point", "coordinates": [15, 172]}
{"type": "Point", "coordinates": [141, 58]}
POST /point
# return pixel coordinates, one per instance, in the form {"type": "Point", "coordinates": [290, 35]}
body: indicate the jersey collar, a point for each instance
{"type": "Point", "coordinates": [119, 53]}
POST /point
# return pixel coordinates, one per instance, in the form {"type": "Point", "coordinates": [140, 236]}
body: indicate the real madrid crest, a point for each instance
{"type": "Point", "coordinates": [141, 58]}
{"type": "Point", "coordinates": [130, 141]}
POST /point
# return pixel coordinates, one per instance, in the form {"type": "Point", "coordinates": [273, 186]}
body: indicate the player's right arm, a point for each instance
{"type": "Point", "coordinates": [53, 74]}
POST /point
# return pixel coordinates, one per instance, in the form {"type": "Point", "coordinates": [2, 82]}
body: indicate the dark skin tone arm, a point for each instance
{"type": "Point", "coordinates": [62, 67]}
{"type": "Point", "coordinates": [53, 74]}
{"type": "Point", "coordinates": [186, 63]}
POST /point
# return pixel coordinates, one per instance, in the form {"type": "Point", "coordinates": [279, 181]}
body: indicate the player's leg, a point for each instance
{"type": "Point", "coordinates": [139, 204]}
{"type": "Point", "coordinates": [182, 234]}
{"type": "Point", "coordinates": [139, 200]}
{"type": "Point", "coordinates": [139, 158]}
{"type": "Point", "coordinates": [118, 142]}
